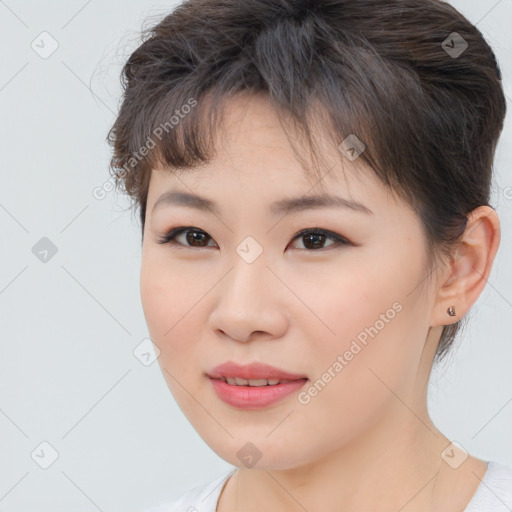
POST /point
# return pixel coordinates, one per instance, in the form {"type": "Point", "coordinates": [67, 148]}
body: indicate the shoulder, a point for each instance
{"type": "Point", "coordinates": [201, 498]}
{"type": "Point", "coordinates": [494, 494]}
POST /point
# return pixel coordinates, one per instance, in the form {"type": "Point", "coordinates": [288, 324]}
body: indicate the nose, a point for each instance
{"type": "Point", "coordinates": [249, 302]}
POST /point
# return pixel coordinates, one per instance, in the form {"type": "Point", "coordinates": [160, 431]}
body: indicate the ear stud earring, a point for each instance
{"type": "Point", "coordinates": [451, 311]}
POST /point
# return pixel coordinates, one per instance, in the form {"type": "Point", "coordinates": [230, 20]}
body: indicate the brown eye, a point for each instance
{"type": "Point", "coordinates": [193, 237]}
{"type": "Point", "coordinates": [315, 238]}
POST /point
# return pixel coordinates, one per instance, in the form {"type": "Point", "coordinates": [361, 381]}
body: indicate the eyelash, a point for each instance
{"type": "Point", "coordinates": [169, 238]}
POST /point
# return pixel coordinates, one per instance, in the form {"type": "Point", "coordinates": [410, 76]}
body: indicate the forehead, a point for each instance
{"type": "Point", "coordinates": [252, 148]}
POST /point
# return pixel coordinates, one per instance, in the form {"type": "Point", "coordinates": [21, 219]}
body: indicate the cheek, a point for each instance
{"type": "Point", "coordinates": [345, 301]}
{"type": "Point", "coordinates": [171, 305]}
{"type": "Point", "coordinates": [372, 355]}
{"type": "Point", "coordinates": [168, 302]}
{"type": "Point", "coordinates": [369, 318]}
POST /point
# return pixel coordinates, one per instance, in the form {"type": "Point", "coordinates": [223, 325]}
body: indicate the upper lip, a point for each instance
{"type": "Point", "coordinates": [252, 371]}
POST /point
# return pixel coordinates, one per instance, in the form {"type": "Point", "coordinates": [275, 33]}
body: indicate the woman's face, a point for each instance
{"type": "Point", "coordinates": [352, 316]}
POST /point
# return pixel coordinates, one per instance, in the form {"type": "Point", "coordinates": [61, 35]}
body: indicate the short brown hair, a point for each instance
{"type": "Point", "coordinates": [413, 79]}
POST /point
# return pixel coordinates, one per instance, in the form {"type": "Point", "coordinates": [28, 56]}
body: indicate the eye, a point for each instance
{"type": "Point", "coordinates": [314, 238]}
{"type": "Point", "coordinates": [192, 236]}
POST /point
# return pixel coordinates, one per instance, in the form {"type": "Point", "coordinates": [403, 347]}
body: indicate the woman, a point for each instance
{"type": "Point", "coordinates": [313, 180]}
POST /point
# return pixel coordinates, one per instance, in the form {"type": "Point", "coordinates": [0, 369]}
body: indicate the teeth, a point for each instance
{"type": "Point", "coordinates": [253, 382]}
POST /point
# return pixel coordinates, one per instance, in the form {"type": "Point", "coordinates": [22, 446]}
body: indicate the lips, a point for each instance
{"type": "Point", "coordinates": [253, 371]}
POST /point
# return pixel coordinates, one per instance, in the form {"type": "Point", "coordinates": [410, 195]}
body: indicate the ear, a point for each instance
{"type": "Point", "coordinates": [468, 270]}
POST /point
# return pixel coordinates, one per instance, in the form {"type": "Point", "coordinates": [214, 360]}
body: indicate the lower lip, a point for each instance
{"type": "Point", "coordinates": [251, 397]}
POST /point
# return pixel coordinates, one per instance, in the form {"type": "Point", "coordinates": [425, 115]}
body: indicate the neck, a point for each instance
{"type": "Point", "coordinates": [392, 467]}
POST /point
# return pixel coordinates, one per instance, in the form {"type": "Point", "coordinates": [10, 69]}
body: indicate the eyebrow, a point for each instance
{"type": "Point", "coordinates": [281, 207]}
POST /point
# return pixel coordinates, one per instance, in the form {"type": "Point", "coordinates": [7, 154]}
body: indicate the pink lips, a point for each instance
{"type": "Point", "coordinates": [252, 371]}
{"type": "Point", "coordinates": [253, 397]}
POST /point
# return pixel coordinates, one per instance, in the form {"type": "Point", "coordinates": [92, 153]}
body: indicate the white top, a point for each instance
{"type": "Point", "coordinates": [494, 493]}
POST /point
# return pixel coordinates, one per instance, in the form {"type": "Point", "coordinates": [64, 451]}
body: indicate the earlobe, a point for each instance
{"type": "Point", "coordinates": [469, 268]}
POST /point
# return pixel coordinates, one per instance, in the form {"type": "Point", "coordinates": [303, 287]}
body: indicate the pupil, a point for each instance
{"type": "Point", "coordinates": [315, 237]}
{"type": "Point", "coordinates": [192, 234]}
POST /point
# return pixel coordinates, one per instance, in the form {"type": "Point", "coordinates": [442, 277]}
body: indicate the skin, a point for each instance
{"type": "Point", "coordinates": [366, 441]}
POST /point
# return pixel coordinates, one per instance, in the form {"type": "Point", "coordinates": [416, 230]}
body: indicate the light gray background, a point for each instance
{"type": "Point", "coordinates": [68, 373]}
